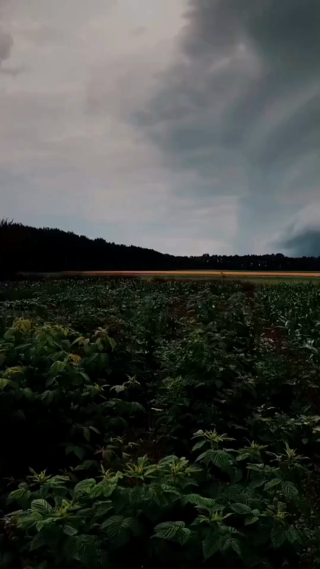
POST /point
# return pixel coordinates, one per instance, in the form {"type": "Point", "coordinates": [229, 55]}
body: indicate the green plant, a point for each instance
{"type": "Point", "coordinates": [168, 424]}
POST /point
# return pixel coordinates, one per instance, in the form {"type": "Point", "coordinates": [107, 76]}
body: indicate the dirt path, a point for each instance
{"type": "Point", "coordinates": [193, 273]}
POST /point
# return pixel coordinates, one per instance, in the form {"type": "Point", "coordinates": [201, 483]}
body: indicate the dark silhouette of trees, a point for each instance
{"type": "Point", "coordinates": [28, 249]}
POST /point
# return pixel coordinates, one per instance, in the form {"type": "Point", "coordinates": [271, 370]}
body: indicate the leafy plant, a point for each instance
{"type": "Point", "coordinates": [166, 423]}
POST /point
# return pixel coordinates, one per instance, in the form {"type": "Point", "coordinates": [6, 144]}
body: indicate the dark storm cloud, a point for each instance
{"type": "Point", "coordinates": [6, 43]}
{"type": "Point", "coordinates": [241, 105]}
{"type": "Point", "coordinates": [285, 32]}
{"type": "Point", "coordinates": [200, 133]}
{"type": "Point", "coordinates": [306, 242]}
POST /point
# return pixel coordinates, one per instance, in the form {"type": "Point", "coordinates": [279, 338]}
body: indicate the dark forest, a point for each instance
{"type": "Point", "coordinates": [28, 249]}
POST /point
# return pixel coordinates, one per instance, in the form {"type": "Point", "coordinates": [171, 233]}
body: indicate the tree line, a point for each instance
{"type": "Point", "coordinates": [29, 249]}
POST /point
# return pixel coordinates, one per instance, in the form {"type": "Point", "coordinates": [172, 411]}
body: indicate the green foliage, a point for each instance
{"type": "Point", "coordinates": [173, 531]}
{"type": "Point", "coordinates": [166, 423]}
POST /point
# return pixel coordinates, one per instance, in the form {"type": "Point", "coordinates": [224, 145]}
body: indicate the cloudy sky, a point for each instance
{"type": "Point", "coordinates": [188, 126]}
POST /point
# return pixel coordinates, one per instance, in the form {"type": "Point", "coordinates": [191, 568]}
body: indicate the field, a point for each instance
{"type": "Point", "coordinates": [159, 423]}
{"type": "Point", "coordinates": [255, 276]}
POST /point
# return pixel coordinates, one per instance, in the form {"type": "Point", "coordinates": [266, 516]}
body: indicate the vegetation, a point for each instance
{"type": "Point", "coordinates": [159, 424]}
{"type": "Point", "coordinates": [27, 249]}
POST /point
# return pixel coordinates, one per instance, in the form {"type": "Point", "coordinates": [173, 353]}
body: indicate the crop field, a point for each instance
{"type": "Point", "coordinates": [159, 424]}
{"type": "Point", "coordinates": [268, 276]}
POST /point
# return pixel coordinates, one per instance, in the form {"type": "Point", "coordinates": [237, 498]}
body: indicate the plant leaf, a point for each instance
{"type": "Point", "coordinates": [278, 537]}
{"type": "Point", "coordinates": [289, 489]}
{"type": "Point", "coordinates": [69, 530]}
{"type": "Point", "coordinates": [241, 509]}
{"type": "Point", "coordinates": [200, 501]}
{"type": "Point", "coordinates": [210, 545]}
{"type": "Point", "coordinates": [250, 520]}
{"type": "Point", "coordinates": [172, 531]}
{"type": "Point", "coordinates": [85, 486]}
{"type": "Point", "coordinates": [17, 494]}
{"type": "Point", "coordinates": [86, 433]}
{"type": "Point", "coordinates": [272, 483]}
{"type": "Point", "coordinates": [41, 506]}
{"type": "Point", "coordinates": [3, 383]}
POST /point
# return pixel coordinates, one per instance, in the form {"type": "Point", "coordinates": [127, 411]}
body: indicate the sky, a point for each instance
{"type": "Point", "coordinates": [186, 126]}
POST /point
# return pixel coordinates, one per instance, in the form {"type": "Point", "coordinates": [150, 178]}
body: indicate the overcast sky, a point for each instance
{"type": "Point", "coordinates": [187, 126]}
